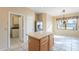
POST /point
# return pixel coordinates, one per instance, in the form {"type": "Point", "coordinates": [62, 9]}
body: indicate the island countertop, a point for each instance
{"type": "Point", "coordinates": [39, 35]}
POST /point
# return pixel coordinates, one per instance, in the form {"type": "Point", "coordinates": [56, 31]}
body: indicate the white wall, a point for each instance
{"type": "Point", "coordinates": [49, 24]}
{"type": "Point", "coordinates": [1, 34]}
{"type": "Point", "coordinates": [16, 19]}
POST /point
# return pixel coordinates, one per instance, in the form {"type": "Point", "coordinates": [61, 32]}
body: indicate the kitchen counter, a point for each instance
{"type": "Point", "coordinates": [40, 41]}
{"type": "Point", "coordinates": [39, 35]}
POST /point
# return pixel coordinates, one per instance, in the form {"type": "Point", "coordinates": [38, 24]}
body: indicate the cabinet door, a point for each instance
{"type": "Point", "coordinates": [33, 44]}
{"type": "Point", "coordinates": [44, 44]}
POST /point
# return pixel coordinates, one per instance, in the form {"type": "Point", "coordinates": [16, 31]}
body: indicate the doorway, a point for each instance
{"type": "Point", "coordinates": [15, 30]}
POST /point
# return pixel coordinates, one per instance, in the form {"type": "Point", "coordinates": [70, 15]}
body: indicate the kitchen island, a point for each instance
{"type": "Point", "coordinates": [40, 41]}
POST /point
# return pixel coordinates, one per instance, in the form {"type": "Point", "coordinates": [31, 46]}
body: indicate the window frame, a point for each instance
{"type": "Point", "coordinates": [57, 20]}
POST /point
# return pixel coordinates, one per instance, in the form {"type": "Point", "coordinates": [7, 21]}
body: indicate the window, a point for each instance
{"type": "Point", "coordinates": [61, 24]}
{"type": "Point", "coordinates": [72, 24]}
{"type": "Point", "coordinates": [67, 24]}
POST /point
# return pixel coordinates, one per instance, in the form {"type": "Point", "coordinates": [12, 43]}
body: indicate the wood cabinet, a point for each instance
{"type": "Point", "coordinates": [51, 41]}
{"type": "Point", "coordinates": [44, 44]}
{"type": "Point", "coordinates": [41, 44]}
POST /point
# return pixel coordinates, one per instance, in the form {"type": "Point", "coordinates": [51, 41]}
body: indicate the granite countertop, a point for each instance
{"type": "Point", "coordinates": [39, 35]}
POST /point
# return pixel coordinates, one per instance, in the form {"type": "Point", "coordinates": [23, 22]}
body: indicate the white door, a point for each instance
{"type": "Point", "coordinates": [30, 24]}
{"type": "Point", "coordinates": [28, 27]}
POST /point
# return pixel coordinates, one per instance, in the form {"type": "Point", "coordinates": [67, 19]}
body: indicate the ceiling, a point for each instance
{"type": "Point", "coordinates": [54, 11]}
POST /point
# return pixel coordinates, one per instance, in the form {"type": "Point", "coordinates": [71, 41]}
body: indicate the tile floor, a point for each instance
{"type": "Point", "coordinates": [66, 43]}
{"type": "Point", "coordinates": [15, 42]}
{"type": "Point", "coordinates": [62, 43]}
{"type": "Point", "coordinates": [16, 45]}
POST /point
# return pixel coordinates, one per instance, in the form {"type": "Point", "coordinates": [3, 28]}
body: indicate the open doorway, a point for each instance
{"type": "Point", "coordinates": [15, 31]}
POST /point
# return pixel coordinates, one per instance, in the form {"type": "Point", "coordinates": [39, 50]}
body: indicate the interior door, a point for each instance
{"type": "Point", "coordinates": [30, 24]}
{"type": "Point", "coordinates": [28, 27]}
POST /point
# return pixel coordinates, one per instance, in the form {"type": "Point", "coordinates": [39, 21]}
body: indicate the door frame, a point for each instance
{"type": "Point", "coordinates": [9, 18]}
